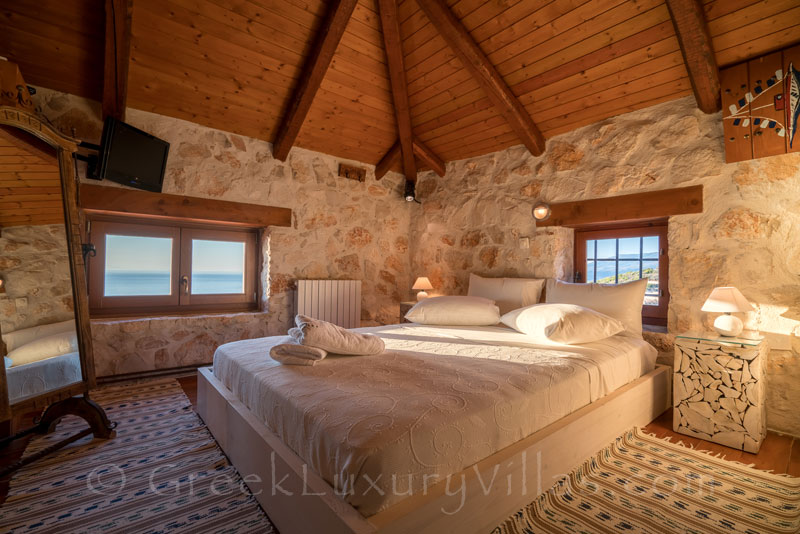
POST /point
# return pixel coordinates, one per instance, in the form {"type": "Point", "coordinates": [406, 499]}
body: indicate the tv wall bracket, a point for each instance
{"type": "Point", "coordinates": [91, 160]}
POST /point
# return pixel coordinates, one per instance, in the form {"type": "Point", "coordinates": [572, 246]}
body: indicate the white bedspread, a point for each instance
{"type": "Point", "coordinates": [437, 401]}
{"type": "Point", "coordinates": [44, 375]}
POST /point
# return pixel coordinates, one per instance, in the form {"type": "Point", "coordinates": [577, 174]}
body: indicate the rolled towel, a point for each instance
{"type": "Point", "coordinates": [334, 339]}
{"type": "Point", "coordinates": [296, 354]}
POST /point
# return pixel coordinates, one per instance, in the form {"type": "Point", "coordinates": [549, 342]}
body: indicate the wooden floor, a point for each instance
{"type": "Point", "coordinates": [779, 453]}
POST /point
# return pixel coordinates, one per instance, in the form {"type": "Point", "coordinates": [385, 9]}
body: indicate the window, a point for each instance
{"type": "Point", "coordinates": [619, 255]}
{"type": "Point", "coordinates": [145, 266]}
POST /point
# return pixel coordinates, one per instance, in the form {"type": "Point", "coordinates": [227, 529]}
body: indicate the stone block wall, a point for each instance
{"type": "Point", "coordinates": [341, 229]}
{"type": "Point", "coordinates": [747, 236]}
{"type": "Point", "coordinates": [34, 263]}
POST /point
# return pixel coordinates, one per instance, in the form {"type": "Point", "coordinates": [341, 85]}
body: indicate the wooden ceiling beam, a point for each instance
{"type": "Point", "coordinates": [421, 151]}
{"type": "Point", "coordinates": [691, 27]}
{"type": "Point", "coordinates": [427, 155]}
{"type": "Point", "coordinates": [397, 78]}
{"type": "Point", "coordinates": [328, 37]}
{"type": "Point", "coordinates": [387, 161]}
{"type": "Point", "coordinates": [117, 57]}
{"type": "Point", "coordinates": [476, 62]}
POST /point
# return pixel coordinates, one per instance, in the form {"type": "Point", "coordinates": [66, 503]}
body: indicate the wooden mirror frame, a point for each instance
{"type": "Point", "coordinates": [65, 148]}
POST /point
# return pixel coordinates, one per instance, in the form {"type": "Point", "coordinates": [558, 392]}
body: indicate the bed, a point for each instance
{"type": "Point", "coordinates": [41, 376]}
{"type": "Point", "coordinates": [451, 428]}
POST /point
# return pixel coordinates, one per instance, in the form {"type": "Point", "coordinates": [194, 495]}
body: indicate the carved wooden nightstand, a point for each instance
{"type": "Point", "coordinates": [718, 389]}
{"type": "Point", "coordinates": [404, 307]}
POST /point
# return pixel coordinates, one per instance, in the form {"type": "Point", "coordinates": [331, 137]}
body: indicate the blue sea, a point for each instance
{"type": "Point", "coordinates": [133, 283]}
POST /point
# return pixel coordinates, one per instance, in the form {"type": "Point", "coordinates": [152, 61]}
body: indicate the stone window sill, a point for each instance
{"type": "Point", "coordinates": [655, 328]}
{"type": "Point", "coordinates": [174, 316]}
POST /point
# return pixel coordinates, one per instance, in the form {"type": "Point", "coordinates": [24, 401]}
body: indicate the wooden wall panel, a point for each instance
{"type": "Point", "coordinates": [737, 130]}
{"type": "Point", "coordinates": [768, 110]}
{"type": "Point", "coordinates": [791, 57]}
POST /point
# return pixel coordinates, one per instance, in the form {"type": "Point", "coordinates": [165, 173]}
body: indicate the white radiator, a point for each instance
{"type": "Point", "coordinates": [335, 301]}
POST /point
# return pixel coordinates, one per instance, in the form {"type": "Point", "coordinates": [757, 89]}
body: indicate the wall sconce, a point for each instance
{"type": "Point", "coordinates": [2, 284]}
{"type": "Point", "coordinates": [410, 193]}
{"type": "Point", "coordinates": [541, 211]}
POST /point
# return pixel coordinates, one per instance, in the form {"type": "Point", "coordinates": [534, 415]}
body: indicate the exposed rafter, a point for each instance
{"type": "Point", "coordinates": [314, 71]}
{"type": "Point", "coordinates": [422, 152]}
{"type": "Point", "coordinates": [698, 53]}
{"type": "Point", "coordinates": [117, 55]}
{"type": "Point", "coordinates": [427, 156]}
{"type": "Point", "coordinates": [475, 61]}
{"type": "Point", "coordinates": [387, 161]}
{"type": "Point", "coordinates": [397, 77]}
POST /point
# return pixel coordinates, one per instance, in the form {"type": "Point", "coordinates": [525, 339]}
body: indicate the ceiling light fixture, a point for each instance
{"type": "Point", "coordinates": [541, 211]}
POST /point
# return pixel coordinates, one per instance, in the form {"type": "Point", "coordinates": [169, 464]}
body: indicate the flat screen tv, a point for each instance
{"type": "Point", "coordinates": [132, 157]}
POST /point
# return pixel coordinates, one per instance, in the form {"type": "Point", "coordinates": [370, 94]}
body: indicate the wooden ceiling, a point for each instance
{"type": "Point", "coordinates": [236, 65]}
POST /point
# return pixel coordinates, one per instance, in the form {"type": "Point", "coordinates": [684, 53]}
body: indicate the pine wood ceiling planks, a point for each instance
{"type": "Point", "coordinates": [55, 43]}
{"type": "Point", "coordinates": [233, 65]}
{"type": "Point", "coordinates": [30, 182]}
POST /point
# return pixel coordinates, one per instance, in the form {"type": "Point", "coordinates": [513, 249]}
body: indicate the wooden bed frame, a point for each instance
{"type": "Point", "coordinates": [528, 467]}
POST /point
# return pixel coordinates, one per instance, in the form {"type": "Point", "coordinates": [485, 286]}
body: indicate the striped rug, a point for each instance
{"type": "Point", "coordinates": [163, 472]}
{"type": "Point", "coordinates": [643, 484]}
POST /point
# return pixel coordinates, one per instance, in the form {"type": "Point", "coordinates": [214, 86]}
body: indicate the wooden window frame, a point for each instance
{"type": "Point", "coordinates": [654, 315]}
{"type": "Point", "coordinates": [180, 301]}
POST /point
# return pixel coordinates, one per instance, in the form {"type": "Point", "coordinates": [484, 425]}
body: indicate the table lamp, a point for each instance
{"type": "Point", "coordinates": [727, 300]}
{"type": "Point", "coordinates": [422, 284]}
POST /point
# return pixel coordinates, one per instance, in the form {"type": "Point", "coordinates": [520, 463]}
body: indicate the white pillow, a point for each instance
{"type": "Point", "coordinates": [26, 335]}
{"type": "Point", "coordinates": [43, 348]}
{"type": "Point", "coordinates": [455, 311]}
{"type": "Point", "coordinates": [508, 293]}
{"type": "Point", "coordinates": [622, 301]}
{"type": "Point", "coordinates": [562, 323]}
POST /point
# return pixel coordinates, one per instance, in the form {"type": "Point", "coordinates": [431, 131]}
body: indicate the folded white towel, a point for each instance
{"type": "Point", "coordinates": [334, 339]}
{"type": "Point", "coordinates": [295, 354]}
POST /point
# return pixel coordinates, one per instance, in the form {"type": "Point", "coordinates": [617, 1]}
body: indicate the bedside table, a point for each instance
{"type": "Point", "coordinates": [404, 307]}
{"type": "Point", "coordinates": [718, 389]}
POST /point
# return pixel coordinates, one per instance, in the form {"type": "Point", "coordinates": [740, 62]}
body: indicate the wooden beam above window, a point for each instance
{"type": "Point", "coordinates": [316, 65]}
{"type": "Point", "coordinates": [476, 62]}
{"type": "Point", "coordinates": [691, 27]}
{"type": "Point", "coordinates": [636, 207]}
{"type": "Point", "coordinates": [117, 57]}
{"type": "Point", "coordinates": [116, 200]}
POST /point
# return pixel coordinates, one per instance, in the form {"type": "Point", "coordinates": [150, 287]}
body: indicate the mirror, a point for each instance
{"type": "Point", "coordinates": [37, 312]}
{"type": "Point", "coordinates": [44, 314]}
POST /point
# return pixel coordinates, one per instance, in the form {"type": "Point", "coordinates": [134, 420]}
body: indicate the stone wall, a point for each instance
{"type": "Point", "coordinates": [341, 229]}
{"type": "Point", "coordinates": [747, 235]}
{"type": "Point", "coordinates": [35, 267]}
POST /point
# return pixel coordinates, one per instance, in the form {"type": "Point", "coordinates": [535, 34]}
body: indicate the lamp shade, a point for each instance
{"type": "Point", "coordinates": [422, 283]}
{"type": "Point", "coordinates": [726, 300]}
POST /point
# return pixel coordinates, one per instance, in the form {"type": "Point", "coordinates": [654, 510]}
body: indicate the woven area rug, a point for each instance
{"type": "Point", "coordinates": [163, 472]}
{"type": "Point", "coordinates": [644, 484]}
